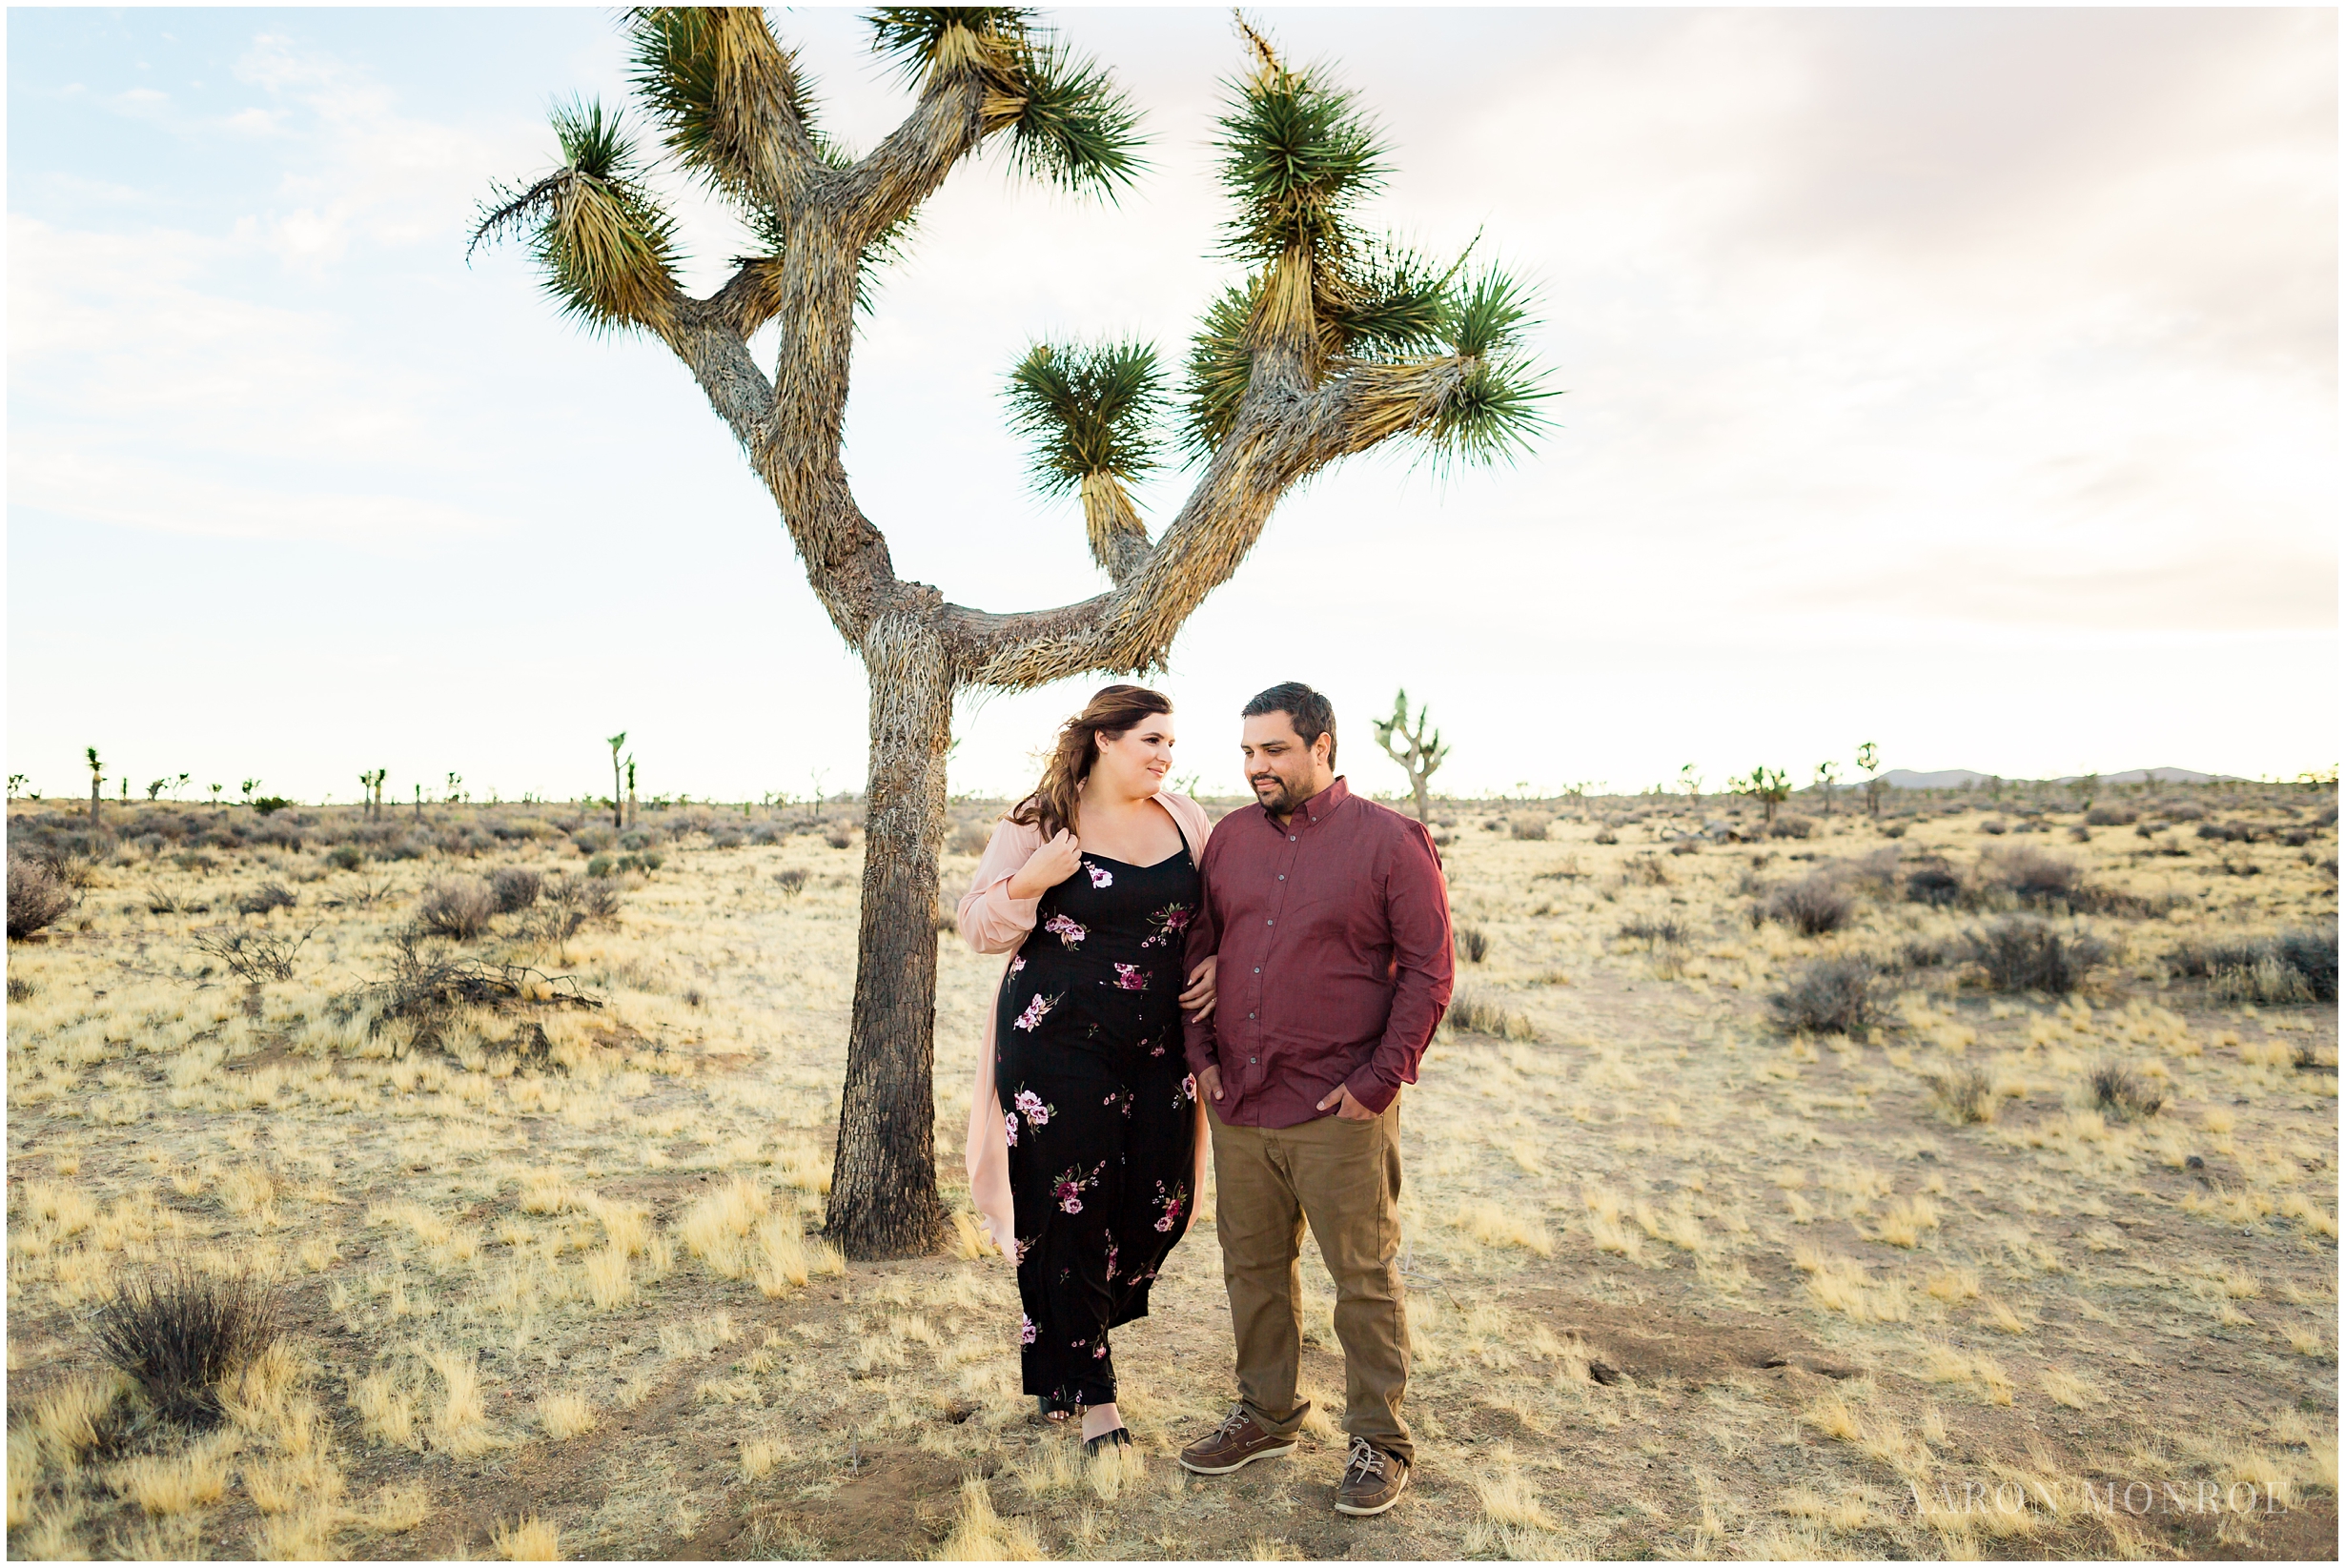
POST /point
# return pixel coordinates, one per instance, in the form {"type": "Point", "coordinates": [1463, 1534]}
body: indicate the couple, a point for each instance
{"type": "Point", "coordinates": [1329, 917]}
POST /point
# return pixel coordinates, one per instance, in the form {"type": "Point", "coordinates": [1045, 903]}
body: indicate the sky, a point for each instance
{"type": "Point", "coordinates": [1960, 381]}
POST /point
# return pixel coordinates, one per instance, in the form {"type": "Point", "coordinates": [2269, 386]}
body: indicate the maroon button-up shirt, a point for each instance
{"type": "Point", "coordinates": [1334, 937]}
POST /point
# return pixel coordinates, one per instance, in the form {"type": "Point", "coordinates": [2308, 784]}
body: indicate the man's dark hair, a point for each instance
{"type": "Point", "coordinates": [1311, 714]}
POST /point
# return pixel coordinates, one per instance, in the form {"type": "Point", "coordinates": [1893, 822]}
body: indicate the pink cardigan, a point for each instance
{"type": "Point", "coordinates": [992, 922]}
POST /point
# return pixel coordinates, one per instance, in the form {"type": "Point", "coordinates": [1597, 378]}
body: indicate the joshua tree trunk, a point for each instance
{"type": "Point", "coordinates": [882, 1182]}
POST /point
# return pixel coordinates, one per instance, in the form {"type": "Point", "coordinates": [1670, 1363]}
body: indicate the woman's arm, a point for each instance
{"type": "Point", "coordinates": [992, 920]}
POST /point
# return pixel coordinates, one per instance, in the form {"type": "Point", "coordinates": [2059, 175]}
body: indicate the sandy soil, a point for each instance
{"type": "Point", "coordinates": [1684, 1283]}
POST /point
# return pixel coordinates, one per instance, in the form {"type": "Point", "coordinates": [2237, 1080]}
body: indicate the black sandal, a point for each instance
{"type": "Point", "coordinates": [1116, 1436]}
{"type": "Point", "coordinates": [1055, 1415]}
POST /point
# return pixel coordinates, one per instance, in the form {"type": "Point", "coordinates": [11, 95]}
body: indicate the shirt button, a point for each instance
{"type": "Point", "coordinates": [1248, 1061]}
{"type": "Point", "coordinates": [1282, 876]}
{"type": "Point", "coordinates": [1257, 968]}
{"type": "Point", "coordinates": [1250, 1015]}
{"type": "Point", "coordinates": [1289, 838]}
{"type": "Point", "coordinates": [1270, 923]}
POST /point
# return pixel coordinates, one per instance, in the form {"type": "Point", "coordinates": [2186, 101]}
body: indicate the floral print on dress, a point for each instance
{"type": "Point", "coordinates": [1171, 1203]}
{"type": "Point", "coordinates": [1032, 1018]}
{"type": "Point", "coordinates": [1101, 876]}
{"type": "Point", "coordinates": [1165, 924]}
{"type": "Point", "coordinates": [1068, 1191]}
{"type": "Point", "coordinates": [1070, 932]}
{"type": "Point", "coordinates": [1130, 977]}
{"type": "Point", "coordinates": [1025, 1329]}
{"type": "Point", "coordinates": [1030, 1106]}
{"type": "Point", "coordinates": [1010, 1128]}
{"type": "Point", "coordinates": [1186, 1093]}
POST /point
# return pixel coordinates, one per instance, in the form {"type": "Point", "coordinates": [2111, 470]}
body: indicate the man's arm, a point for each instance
{"type": "Point", "coordinates": [1197, 1038]}
{"type": "Point", "coordinates": [1417, 904]}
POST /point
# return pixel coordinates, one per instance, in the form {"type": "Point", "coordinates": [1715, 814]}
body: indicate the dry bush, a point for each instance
{"type": "Point", "coordinates": [2118, 1090]}
{"type": "Point", "coordinates": [2111, 816]}
{"type": "Point", "coordinates": [1478, 1011]}
{"type": "Point", "coordinates": [1472, 944]}
{"type": "Point", "coordinates": [251, 956]}
{"type": "Point", "coordinates": [839, 836]}
{"type": "Point", "coordinates": [792, 881]}
{"type": "Point", "coordinates": [1530, 826]}
{"type": "Point", "coordinates": [1645, 871]}
{"type": "Point", "coordinates": [38, 896]}
{"type": "Point", "coordinates": [2296, 966]}
{"type": "Point", "coordinates": [2031, 875]}
{"type": "Point", "coordinates": [515, 888]}
{"type": "Point", "coordinates": [1933, 881]}
{"type": "Point", "coordinates": [459, 908]}
{"type": "Point", "coordinates": [1966, 1094]}
{"type": "Point", "coordinates": [181, 1334]}
{"type": "Point", "coordinates": [1788, 827]}
{"type": "Point", "coordinates": [1605, 835]}
{"type": "Point", "coordinates": [1830, 996]}
{"type": "Point", "coordinates": [1657, 931]}
{"type": "Point", "coordinates": [1812, 907]}
{"type": "Point", "coordinates": [268, 896]}
{"type": "Point", "coordinates": [2021, 954]}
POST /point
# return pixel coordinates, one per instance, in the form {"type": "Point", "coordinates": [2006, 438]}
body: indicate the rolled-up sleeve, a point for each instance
{"type": "Point", "coordinates": [1417, 904]}
{"type": "Point", "coordinates": [992, 920]}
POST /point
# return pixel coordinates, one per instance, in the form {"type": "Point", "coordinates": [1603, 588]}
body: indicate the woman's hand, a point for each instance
{"type": "Point", "coordinates": [1048, 867]}
{"type": "Point", "coordinates": [1199, 997]}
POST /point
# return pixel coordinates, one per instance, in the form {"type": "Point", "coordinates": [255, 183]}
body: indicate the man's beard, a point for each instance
{"type": "Point", "coordinates": [1282, 802]}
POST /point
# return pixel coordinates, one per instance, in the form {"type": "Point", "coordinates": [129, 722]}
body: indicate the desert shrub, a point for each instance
{"type": "Point", "coordinates": [1473, 943]}
{"type": "Point", "coordinates": [2296, 966]}
{"type": "Point", "coordinates": [2030, 875]}
{"type": "Point", "coordinates": [769, 832]}
{"type": "Point", "coordinates": [1789, 826]}
{"type": "Point", "coordinates": [839, 836]}
{"type": "Point", "coordinates": [268, 896]}
{"type": "Point", "coordinates": [2021, 954]}
{"type": "Point", "coordinates": [634, 837]}
{"type": "Point", "coordinates": [1966, 1094]}
{"type": "Point", "coordinates": [515, 888]}
{"type": "Point", "coordinates": [2184, 811]}
{"type": "Point", "coordinates": [2111, 816]}
{"type": "Point", "coordinates": [2120, 1090]}
{"type": "Point", "coordinates": [1933, 881]}
{"type": "Point", "coordinates": [1664, 931]}
{"type": "Point", "coordinates": [1477, 1010]}
{"type": "Point", "coordinates": [1605, 835]}
{"type": "Point", "coordinates": [592, 841]}
{"type": "Point", "coordinates": [596, 898]}
{"type": "Point", "coordinates": [1645, 870]}
{"type": "Point", "coordinates": [1830, 996]}
{"type": "Point", "coordinates": [791, 880]}
{"type": "Point", "coordinates": [600, 865]}
{"type": "Point", "coordinates": [459, 908]}
{"type": "Point", "coordinates": [1922, 953]}
{"type": "Point", "coordinates": [1813, 905]}
{"type": "Point", "coordinates": [346, 857]}
{"type": "Point", "coordinates": [251, 956]}
{"type": "Point", "coordinates": [38, 896]}
{"type": "Point", "coordinates": [19, 989]}
{"type": "Point", "coordinates": [1687, 846]}
{"type": "Point", "coordinates": [2296, 838]}
{"type": "Point", "coordinates": [1529, 826]}
{"type": "Point", "coordinates": [179, 1333]}
{"type": "Point", "coordinates": [728, 838]}
{"type": "Point", "coordinates": [1995, 826]}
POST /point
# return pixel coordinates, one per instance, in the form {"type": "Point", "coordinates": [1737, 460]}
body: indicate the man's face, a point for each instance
{"type": "Point", "coordinates": [1283, 772]}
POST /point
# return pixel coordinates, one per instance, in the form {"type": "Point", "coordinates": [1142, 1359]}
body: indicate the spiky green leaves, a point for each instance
{"type": "Point", "coordinates": [1494, 411]}
{"type": "Point", "coordinates": [606, 247]}
{"type": "Point", "coordinates": [1220, 367]}
{"type": "Point", "coordinates": [721, 88]}
{"type": "Point", "coordinates": [1086, 410]}
{"type": "Point", "coordinates": [1297, 155]}
{"type": "Point", "coordinates": [921, 39]}
{"type": "Point", "coordinates": [1077, 130]}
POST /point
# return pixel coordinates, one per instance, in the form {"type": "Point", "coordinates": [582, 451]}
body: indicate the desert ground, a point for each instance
{"type": "Point", "coordinates": [1996, 1217]}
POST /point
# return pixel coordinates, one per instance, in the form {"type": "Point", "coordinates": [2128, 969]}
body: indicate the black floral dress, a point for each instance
{"type": "Point", "coordinates": [1099, 1107]}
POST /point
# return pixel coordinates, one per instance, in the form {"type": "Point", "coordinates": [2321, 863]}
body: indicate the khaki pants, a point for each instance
{"type": "Point", "coordinates": [1344, 1179]}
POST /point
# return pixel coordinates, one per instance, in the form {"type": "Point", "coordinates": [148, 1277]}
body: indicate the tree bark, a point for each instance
{"type": "Point", "coordinates": [882, 1182]}
{"type": "Point", "coordinates": [1416, 781]}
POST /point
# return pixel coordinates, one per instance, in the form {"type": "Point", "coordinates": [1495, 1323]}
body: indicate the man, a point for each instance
{"type": "Point", "coordinates": [1331, 922]}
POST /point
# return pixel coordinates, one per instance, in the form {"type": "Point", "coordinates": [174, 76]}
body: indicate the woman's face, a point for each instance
{"type": "Point", "coordinates": [1134, 764]}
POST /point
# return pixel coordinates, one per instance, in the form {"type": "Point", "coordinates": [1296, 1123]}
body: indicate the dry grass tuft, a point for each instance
{"type": "Point", "coordinates": [1495, 1227]}
{"type": "Point", "coordinates": [979, 1535]}
{"type": "Point", "coordinates": [531, 1539]}
{"type": "Point", "coordinates": [566, 1415]}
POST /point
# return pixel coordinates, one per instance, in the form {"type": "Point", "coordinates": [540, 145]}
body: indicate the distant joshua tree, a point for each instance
{"type": "Point", "coordinates": [370, 794]}
{"type": "Point", "coordinates": [630, 789]}
{"type": "Point", "coordinates": [1769, 786]}
{"type": "Point", "coordinates": [98, 782]}
{"type": "Point", "coordinates": [1418, 750]}
{"type": "Point", "coordinates": [1689, 782]}
{"type": "Point", "coordinates": [1868, 758]}
{"type": "Point", "coordinates": [1827, 774]}
{"type": "Point", "coordinates": [618, 818]}
{"type": "Point", "coordinates": [1336, 341]}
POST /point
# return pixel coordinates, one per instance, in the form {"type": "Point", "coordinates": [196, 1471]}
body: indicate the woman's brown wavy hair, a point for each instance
{"type": "Point", "coordinates": [1111, 712]}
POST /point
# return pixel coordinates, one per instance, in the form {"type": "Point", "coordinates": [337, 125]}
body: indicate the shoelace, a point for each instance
{"type": "Point", "coordinates": [1366, 1459]}
{"type": "Point", "coordinates": [1229, 1428]}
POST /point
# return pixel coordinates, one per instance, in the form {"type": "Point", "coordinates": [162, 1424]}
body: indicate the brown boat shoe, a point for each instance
{"type": "Point", "coordinates": [1372, 1480]}
{"type": "Point", "coordinates": [1236, 1443]}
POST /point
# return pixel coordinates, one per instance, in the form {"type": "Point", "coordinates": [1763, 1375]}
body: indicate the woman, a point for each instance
{"type": "Point", "coordinates": [1086, 1146]}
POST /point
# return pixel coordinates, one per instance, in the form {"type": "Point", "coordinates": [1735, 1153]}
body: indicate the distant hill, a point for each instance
{"type": "Point", "coordinates": [1963, 777]}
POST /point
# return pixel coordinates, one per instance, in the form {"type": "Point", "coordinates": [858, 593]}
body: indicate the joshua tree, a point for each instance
{"type": "Point", "coordinates": [618, 817]}
{"type": "Point", "coordinates": [630, 789]}
{"type": "Point", "coordinates": [216, 794]}
{"type": "Point", "coordinates": [1332, 343]}
{"type": "Point", "coordinates": [17, 783]}
{"type": "Point", "coordinates": [97, 780]}
{"type": "Point", "coordinates": [1868, 758]}
{"type": "Point", "coordinates": [1689, 782]}
{"type": "Point", "coordinates": [370, 791]}
{"type": "Point", "coordinates": [1418, 750]}
{"type": "Point", "coordinates": [1827, 774]}
{"type": "Point", "coordinates": [1769, 786]}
